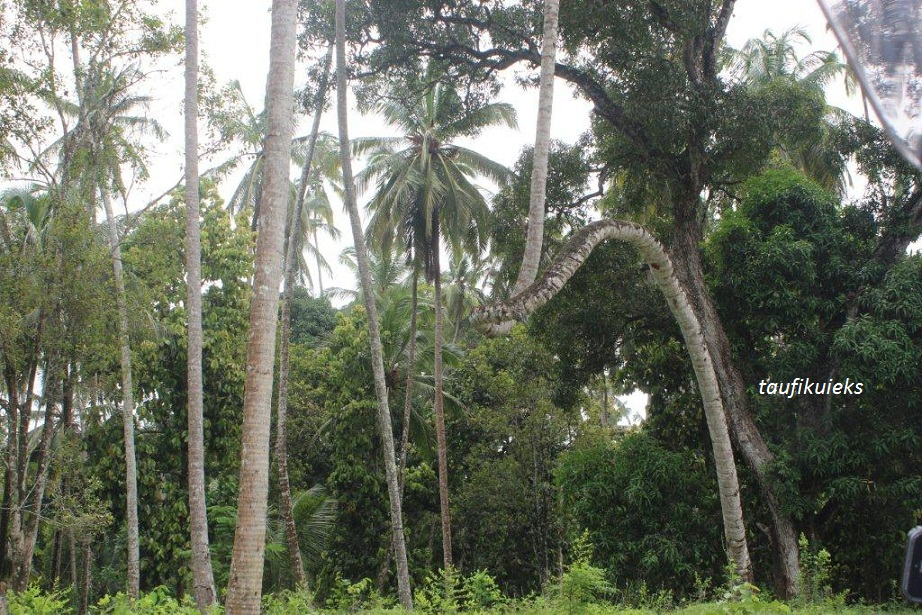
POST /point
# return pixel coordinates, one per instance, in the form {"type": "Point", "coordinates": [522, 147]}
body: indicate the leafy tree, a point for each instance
{"type": "Point", "coordinates": [424, 190]}
{"type": "Point", "coordinates": [674, 541]}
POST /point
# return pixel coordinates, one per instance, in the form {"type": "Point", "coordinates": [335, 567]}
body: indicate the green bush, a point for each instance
{"type": "Point", "coordinates": [35, 602]}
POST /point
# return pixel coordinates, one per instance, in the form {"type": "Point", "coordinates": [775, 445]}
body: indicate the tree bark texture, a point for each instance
{"type": "Point", "coordinates": [537, 193]}
{"type": "Point", "coordinates": [441, 442]}
{"type": "Point", "coordinates": [291, 259]}
{"type": "Point", "coordinates": [131, 470]}
{"type": "Point", "coordinates": [537, 196]}
{"type": "Point", "coordinates": [203, 586]}
{"type": "Point", "coordinates": [571, 257]}
{"type": "Point", "coordinates": [246, 573]}
{"type": "Point", "coordinates": [374, 335]}
{"type": "Point", "coordinates": [745, 433]}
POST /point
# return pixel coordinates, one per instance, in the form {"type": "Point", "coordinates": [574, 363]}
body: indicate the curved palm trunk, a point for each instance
{"type": "Point", "coordinates": [361, 252]}
{"type": "Point", "coordinates": [565, 265]}
{"type": "Point", "coordinates": [291, 257]}
{"type": "Point", "coordinates": [441, 443]}
{"type": "Point", "coordinates": [203, 587]}
{"type": "Point", "coordinates": [131, 469]}
{"type": "Point", "coordinates": [534, 238]}
{"type": "Point", "coordinates": [746, 436]}
{"type": "Point", "coordinates": [245, 581]}
{"type": "Point", "coordinates": [536, 199]}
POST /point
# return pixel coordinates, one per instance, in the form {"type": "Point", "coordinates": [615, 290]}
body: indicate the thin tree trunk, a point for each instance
{"type": "Point", "coordinates": [203, 586]}
{"type": "Point", "coordinates": [570, 258]}
{"type": "Point", "coordinates": [291, 258]}
{"type": "Point", "coordinates": [408, 398]}
{"type": "Point", "coordinates": [319, 266]}
{"type": "Point", "coordinates": [246, 572]}
{"type": "Point", "coordinates": [72, 557]}
{"type": "Point", "coordinates": [534, 239]}
{"type": "Point", "coordinates": [441, 443]}
{"type": "Point", "coordinates": [87, 580]}
{"type": "Point", "coordinates": [405, 422]}
{"type": "Point", "coordinates": [131, 471]}
{"type": "Point", "coordinates": [23, 573]}
{"type": "Point", "coordinates": [384, 414]}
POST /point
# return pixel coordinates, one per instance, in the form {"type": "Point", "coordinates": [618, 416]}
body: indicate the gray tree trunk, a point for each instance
{"type": "Point", "coordinates": [131, 470]}
{"type": "Point", "coordinates": [23, 572]}
{"type": "Point", "coordinates": [291, 259]}
{"type": "Point", "coordinates": [534, 239]}
{"type": "Point", "coordinates": [570, 258]}
{"type": "Point", "coordinates": [203, 586]}
{"type": "Point", "coordinates": [361, 252]}
{"type": "Point", "coordinates": [245, 581]}
{"type": "Point", "coordinates": [441, 441]}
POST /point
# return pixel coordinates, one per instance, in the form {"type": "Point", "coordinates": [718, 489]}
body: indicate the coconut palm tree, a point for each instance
{"type": "Point", "coordinates": [203, 586]}
{"type": "Point", "coordinates": [424, 189]}
{"type": "Point", "coordinates": [398, 539]}
{"type": "Point", "coordinates": [245, 582]}
{"type": "Point", "coordinates": [773, 58]}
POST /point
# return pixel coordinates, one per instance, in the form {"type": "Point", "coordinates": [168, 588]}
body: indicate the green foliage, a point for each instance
{"type": "Point", "coordinates": [678, 535]}
{"type": "Point", "coordinates": [506, 445]}
{"type": "Point", "coordinates": [158, 601]}
{"type": "Point", "coordinates": [583, 583]}
{"type": "Point", "coordinates": [34, 601]}
{"type": "Point", "coordinates": [448, 591]}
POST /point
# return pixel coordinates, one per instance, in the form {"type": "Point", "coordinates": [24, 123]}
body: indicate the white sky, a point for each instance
{"type": "Point", "coordinates": [235, 43]}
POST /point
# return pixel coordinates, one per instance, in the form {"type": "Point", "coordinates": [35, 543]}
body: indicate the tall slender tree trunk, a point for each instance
{"type": "Point", "coordinates": [534, 238]}
{"type": "Point", "coordinates": [33, 506]}
{"type": "Point", "coordinates": [131, 470]}
{"type": "Point", "coordinates": [565, 265]}
{"type": "Point", "coordinates": [748, 440]}
{"type": "Point", "coordinates": [374, 336]}
{"type": "Point", "coordinates": [408, 397]}
{"type": "Point", "coordinates": [203, 586]}
{"type": "Point", "coordinates": [441, 443]}
{"type": "Point", "coordinates": [319, 266]}
{"type": "Point", "coordinates": [246, 572]}
{"type": "Point", "coordinates": [537, 197]}
{"type": "Point", "coordinates": [291, 258]}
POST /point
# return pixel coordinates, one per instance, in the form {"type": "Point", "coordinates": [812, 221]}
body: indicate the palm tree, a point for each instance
{"type": "Point", "coordinates": [536, 200]}
{"type": "Point", "coordinates": [398, 539]}
{"type": "Point", "coordinates": [424, 188]}
{"type": "Point", "coordinates": [103, 132]}
{"type": "Point", "coordinates": [296, 231]}
{"type": "Point", "coordinates": [245, 582]}
{"type": "Point", "coordinates": [774, 58]}
{"type": "Point", "coordinates": [202, 574]}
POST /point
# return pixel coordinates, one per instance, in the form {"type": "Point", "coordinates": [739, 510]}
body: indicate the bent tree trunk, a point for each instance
{"type": "Point", "coordinates": [568, 261]}
{"type": "Point", "coordinates": [245, 581]}
{"type": "Point", "coordinates": [291, 258]}
{"type": "Point", "coordinates": [748, 439]}
{"type": "Point", "coordinates": [374, 335]}
{"type": "Point", "coordinates": [537, 195]}
{"type": "Point", "coordinates": [131, 469]}
{"type": "Point", "coordinates": [203, 588]}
